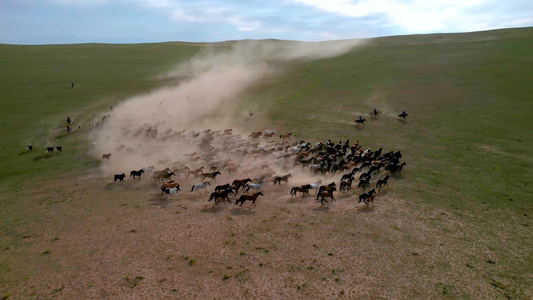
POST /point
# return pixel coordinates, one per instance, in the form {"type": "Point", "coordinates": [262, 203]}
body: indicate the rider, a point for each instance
{"type": "Point", "coordinates": [375, 112]}
{"type": "Point", "coordinates": [360, 118]}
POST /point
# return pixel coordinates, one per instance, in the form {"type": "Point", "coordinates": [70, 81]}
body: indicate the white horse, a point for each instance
{"type": "Point", "coordinates": [200, 186]}
{"type": "Point", "coordinates": [254, 186]}
{"type": "Point", "coordinates": [172, 191]}
{"type": "Point", "coordinates": [316, 185]}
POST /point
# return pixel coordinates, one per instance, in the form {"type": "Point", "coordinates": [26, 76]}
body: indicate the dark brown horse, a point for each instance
{"type": "Point", "coordinates": [324, 195]}
{"type": "Point", "coordinates": [211, 175]}
{"type": "Point", "coordinates": [248, 197]}
{"type": "Point", "coordinates": [304, 189]}
{"type": "Point", "coordinates": [279, 179]}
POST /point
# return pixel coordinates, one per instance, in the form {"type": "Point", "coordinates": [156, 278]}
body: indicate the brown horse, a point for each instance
{"type": "Point", "coordinates": [326, 188]}
{"type": "Point", "coordinates": [248, 197]}
{"type": "Point", "coordinates": [196, 173]}
{"type": "Point", "coordinates": [106, 156]}
{"type": "Point", "coordinates": [286, 136]}
{"type": "Point", "coordinates": [241, 182]}
{"type": "Point", "coordinates": [285, 178]}
{"type": "Point", "coordinates": [304, 189]}
{"type": "Point", "coordinates": [227, 131]}
{"type": "Point", "coordinates": [268, 135]}
{"type": "Point", "coordinates": [256, 135]}
{"type": "Point", "coordinates": [325, 195]}
{"type": "Point", "coordinates": [210, 175]}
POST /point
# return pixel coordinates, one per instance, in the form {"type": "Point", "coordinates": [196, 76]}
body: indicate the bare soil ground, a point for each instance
{"type": "Point", "coordinates": [89, 238]}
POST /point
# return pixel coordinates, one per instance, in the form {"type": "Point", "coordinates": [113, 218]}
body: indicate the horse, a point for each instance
{"type": "Point", "coordinates": [268, 135]}
{"type": "Point", "coordinates": [382, 182]}
{"type": "Point", "coordinates": [169, 184]}
{"type": "Point", "coordinates": [364, 183]}
{"type": "Point", "coordinates": [172, 191]}
{"type": "Point", "coordinates": [279, 179]}
{"type": "Point", "coordinates": [233, 169]}
{"type": "Point", "coordinates": [286, 136]}
{"type": "Point", "coordinates": [227, 131]}
{"type": "Point", "coordinates": [30, 147]}
{"type": "Point", "coordinates": [196, 173]}
{"type": "Point", "coordinates": [211, 175]}
{"type": "Point", "coordinates": [397, 168]}
{"type": "Point", "coordinates": [119, 177]}
{"type": "Point", "coordinates": [368, 200]}
{"type": "Point", "coordinates": [315, 186]}
{"type": "Point", "coordinates": [106, 156]}
{"type": "Point", "coordinates": [255, 135]}
{"type": "Point", "coordinates": [50, 150]}
{"type": "Point", "coordinates": [346, 184]}
{"type": "Point", "coordinates": [328, 194]}
{"type": "Point", "coordinates": [224, 187]}
{"type": "Point", "coordinates": [136, 173]}
{"type": "Point", "coordinates": [360, 121]}
{"type": "Point", "coordinates": [254, 186]}
{"type": "Point", "coordinates": [59, 148]}
{"type": "Point", "coordinates": [365, 196]}
{"type": "Point", "coordinates": [374, 114]}
{"type": "Point", "coordinates": [248, 197]}
{"type": "Point", "coordinates": [402, 116]}
{"type": "Point", "coordinates": [220, 195]}
{"type": "Point", "coordinates": [365, 176]}
{"type": "Point", "coordinates": [200, 186]}
{"type": "Point", "coordinates": [181, 170]}
{"type": "Point", "coordinates": [241, 182]}
{"type": "Point", "coordinates": [163, 175]}
{"type": "Point", "coordinates": [346, 176]}
{"type": "Point", "coordinates": [325, 188]}
{"type": "Point", "coordinates": [304, 189]}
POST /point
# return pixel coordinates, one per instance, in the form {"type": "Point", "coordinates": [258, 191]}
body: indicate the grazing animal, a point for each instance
{"type": "Point", "coordinates": [59, 148]}
{"type": "Point", "coordinates": [106, 156]}
{"type": "Point", "coordinates": [360, 121]}
{"type": "Point", "coordinates": [210, 175]}
{"type": "Point", "coordinates": [382, 182]}
{"type": "Point", "coordinates": [365, 196]}
{"type": "Point", "coordinates": [326, 194]}
{"type": "Point", "coordinates": [279, 179]}
{"type": "Point", "coordinates": [172, 191]}
{"type": "Point", "coordinates": [119, 177]}
{"type": "Point", "coordinates": [248, 197]}
{"type": "Point", "coordinates": [200, 186]}
{"type": "Point", "coordinates": [286, 136]}
{"type": "Point", "coordinates": [50, 150]}
{"type": "Point", "coordinates": [136, 173]}
{"type": "Point", "coordinates": [254, 186]}
{"type": "Point", "coordinates": [221, 195]}
{"type": "Point", "coordinates": [304, 189]}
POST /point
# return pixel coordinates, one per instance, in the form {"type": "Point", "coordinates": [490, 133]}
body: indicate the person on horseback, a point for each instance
{"type": "Point", "coordinates": [360, 118]}
{"type": "Point", "coordinates": [375, 112]}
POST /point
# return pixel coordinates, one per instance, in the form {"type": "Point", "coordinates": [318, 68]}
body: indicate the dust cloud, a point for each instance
{"type": "Point", "coordinates": [165, 127]}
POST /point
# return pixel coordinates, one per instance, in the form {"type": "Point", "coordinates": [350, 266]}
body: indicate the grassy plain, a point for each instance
{"type": "Point", "coordinates": [457, 224]}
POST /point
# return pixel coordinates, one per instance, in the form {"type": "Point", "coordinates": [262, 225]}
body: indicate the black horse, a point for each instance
{"type": "Point", "coordinates": [136, 173]}
{"type": "Point", "coordinates": [360, 121]}
{"type": "Point", "coordinates": [365, 196]}
{"type": "Point", "coordinates": [403, 116]}
{"type": "Point", "coordinates": [364, 183]}
{"type": "Point", "coordinates": [222, 194]}
{"type": "Point", "coordinates": [50, 150]}
{"type": "Point", "coordinates": [382, 182]}
{"type": "Point", "coordinates": [120, 177]}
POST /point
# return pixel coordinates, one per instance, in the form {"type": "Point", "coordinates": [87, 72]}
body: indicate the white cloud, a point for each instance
{"type": "Point", "coordinates": [414, 15]}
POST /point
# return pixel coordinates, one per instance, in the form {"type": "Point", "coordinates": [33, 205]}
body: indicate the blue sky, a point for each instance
{"type": "Point", "coordinates": [140, 21]}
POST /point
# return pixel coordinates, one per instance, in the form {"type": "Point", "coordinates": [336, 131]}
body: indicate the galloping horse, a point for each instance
{"type": "Point", "coordinates": [286, 136]}
{"type": "Point", "coordinates": [326, 194]}
{"type": "Point", "coordinates": [136, 173]}
{"type": "Point", "coordinates": [196, 173]}
{"type": "Point", "coordinates": [402, 116]}
{"type": "Point", "coordinates": [315, 186]}
{"type": "Point", "coordinates": [360, 121]}
{"type": "Point", "coordinates": [254, 186]}
{"type": "Point", "coordinates": [382, 182]}
{"type": "Point", "coordinates": [172, 191]}
{"type": "Point", "coordinates": [119, 177]}
{"type": "Point", "coordinates": [200, 186]}
{"type": "Point", "coordinates": [248, 197]}
{"type": "Point", "coordinates": [329, 187]}
{"type": "Point", "coordinates": [285, 178]}
{"type": "Point", "coordinates": [50, 150]}
{"type": "Point", "coordinates": [365, 196]}
{"type": "Point", "coordinates": [220, 195]}
{"type": "Point", "coordinates": [241, 182]}
{"type": "Point", "coordinates": [210, 175]}
{"type": "Point", "coordinates": [304, 189]}
{"type": "Point", "coordinates": [106, 156]}
{"type": "Point", "coordinates": [255, 135]}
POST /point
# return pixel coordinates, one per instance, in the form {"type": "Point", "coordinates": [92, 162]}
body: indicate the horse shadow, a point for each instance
{"type": "Point", "coordinates": [358, 128]}
{"type": "Point", "coordinates": [212, 209]}
{"type": "Point", "coordinates": [239, 212]}
{"type": "Point", "coordinates": [322, 208]}
{"type": "Point", "coordinates": [42, 156]}
{"type": "Point", "coordinates": [159, 200]}
{"type": "Point", "coordinates": [365, 209]}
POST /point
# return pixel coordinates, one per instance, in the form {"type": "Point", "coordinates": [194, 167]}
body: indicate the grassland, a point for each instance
{"type": "Point", "coordinates": [457, 224]}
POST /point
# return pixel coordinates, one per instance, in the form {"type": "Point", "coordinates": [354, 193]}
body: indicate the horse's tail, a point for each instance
{"type": "Point", "coordinates": [192, 189]}
{"type": "Point", "coordinates": [211, 197]}
{"type": "Point", "coordinates": [293, 191]}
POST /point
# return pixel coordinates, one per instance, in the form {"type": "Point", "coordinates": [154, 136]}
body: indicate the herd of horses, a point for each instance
{"type": "Point", "coordinates": [258, 165]}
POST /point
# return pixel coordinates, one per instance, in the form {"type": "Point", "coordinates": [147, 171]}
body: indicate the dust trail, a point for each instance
{"type": "Point", "coordinates": [147, 129]}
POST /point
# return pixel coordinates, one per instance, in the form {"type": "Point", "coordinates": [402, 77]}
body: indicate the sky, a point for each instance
{"type": "Point", "coordinates": [142, 21]}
